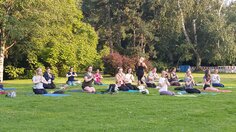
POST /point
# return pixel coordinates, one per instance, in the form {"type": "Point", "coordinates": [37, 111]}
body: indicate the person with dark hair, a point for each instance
{"type": "Point", "coordinates": [151, 78]}
{"type": "Point", "coordinates": [174, 80]}
{"type": "Point", "coordinates": [129, 79]}
{"type": "Point", "coordinates": [207, 83]}
{"type": "Point", "coordinates": [49, 78]}
{"type": "Point", "coordinates": [140, 66]}
{"type": "Point", "coordinates": [87, 85]}
{"type": "Point", "coordinates": [98, 78]}
{"type": "Point", "coordinates": [189, 83]}
{"type": "Point", "coordinates": [38, 81]}
{"type": "Point", "coordinates": [71, 77]}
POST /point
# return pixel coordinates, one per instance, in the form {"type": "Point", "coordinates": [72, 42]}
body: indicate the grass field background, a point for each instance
{"type": "Point", "coordinates": [120, 112]}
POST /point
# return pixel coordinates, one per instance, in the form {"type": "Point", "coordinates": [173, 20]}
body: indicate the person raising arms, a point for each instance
{"type": "Point", "coordinates": [164, 83]}
{"type": "Point", "coordinates": [140, 66]}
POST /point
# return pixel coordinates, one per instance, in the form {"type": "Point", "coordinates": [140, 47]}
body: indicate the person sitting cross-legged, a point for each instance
{"type": "Point", "coordinates": [164, 83]}
{"type": "Point", "coordinates": [38, 81]}
{"type": "Point", "coordinates": [216, 79]}
{"type": "Point", "coordinates": [98, 78]}
{"type": "Point", "coordinates": [207, 83]}
{"type": "Point", "coordinates": [87, 85]}
{"type": "Point", "coordinates": [189, 83]}
{"type": "Point", "coordinates": [151, 78]}
{"type": "Point", "coordinates": [71, 77]}
{"type": "Point", "coordinates": [129, 79]}
{"type": "Point", "coordinates": [49, 78]}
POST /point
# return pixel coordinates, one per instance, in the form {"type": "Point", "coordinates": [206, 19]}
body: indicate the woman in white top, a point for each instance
{"type": "Point", "coordinates": [129, 79]}
{"type": "Point", "coordinates": [215, 78]}
{"type": "Point", "coordinates": [164, 83]}
{"type": "Point", "coordinates": [151, 78]}
{"type": "Point", "coordinates": [120, 80]}
{"type": "Point", "coordinates": [38, 81]}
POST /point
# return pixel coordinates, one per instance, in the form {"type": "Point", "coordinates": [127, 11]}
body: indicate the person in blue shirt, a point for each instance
{"type": "Point", "coordinates": [71, 77]}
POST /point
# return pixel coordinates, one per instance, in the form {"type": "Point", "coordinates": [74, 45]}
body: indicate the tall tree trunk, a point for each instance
{"type": "Point", "coordinates": [1, 62]}
{"type": "Point", "coordinates": [193, 45]}
{"type": "Point", "coordinates": [2, 50]}
{"type": "Point", "coordinates": [134, 39]}
{"type": "Point", "coordinates": [110, 30]}
{"type": "Point", "coordinates": [198, 57]}
{"type": "Point", "coordinates": [199, 62]}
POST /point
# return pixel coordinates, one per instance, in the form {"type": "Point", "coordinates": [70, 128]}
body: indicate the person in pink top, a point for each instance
{"type": "Point", "coordinates": [98, 78]}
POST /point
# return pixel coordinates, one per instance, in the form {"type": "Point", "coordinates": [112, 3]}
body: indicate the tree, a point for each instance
{"type": "Point", "coordinates": [52, 35]}
{"type": "Point", "coordinates": [204, 28]}
{"type": "Point", "coordinates": [15, 24]}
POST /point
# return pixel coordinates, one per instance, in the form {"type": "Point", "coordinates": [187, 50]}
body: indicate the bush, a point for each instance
{"type": "Point", "coordinates": [115, 60]}
{"type": "Point", "coordinates": [13, 72]}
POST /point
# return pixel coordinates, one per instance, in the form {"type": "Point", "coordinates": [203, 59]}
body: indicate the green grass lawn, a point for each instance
{"type": "Point", "coordinates": [119, 112]}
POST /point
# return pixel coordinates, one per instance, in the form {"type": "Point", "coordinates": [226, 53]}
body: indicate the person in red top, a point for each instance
{"type": "Point", "coordinates": [98, 78]}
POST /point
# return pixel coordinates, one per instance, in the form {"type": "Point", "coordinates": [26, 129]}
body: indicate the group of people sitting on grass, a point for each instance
{"type": "Point", "coordinates": [125, 82]}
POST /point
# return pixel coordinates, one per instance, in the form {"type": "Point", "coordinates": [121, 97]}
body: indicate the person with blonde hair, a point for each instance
{"type": "Point", "coordinates": [189, 83]}
{"type": "Point", "coordinates": [120, 80]}
{"type": "Point", "coordinates": [151, 78]}
{"type": "Point", "coordinates": [216, 79]}
{"type": "Point", "coordinates": [129, 79]}
{"type": "Point", "coordinates": [38, 81]}
{"type": "Point", "coordinates": [164, 83]}
{"type": "Point", "coordinates": [140, 66]}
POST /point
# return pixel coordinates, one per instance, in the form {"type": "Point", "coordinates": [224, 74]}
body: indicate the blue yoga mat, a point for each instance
{"type": "Point", "coordinates": [181, 92]}
{"type": "Point", "coordinates": [56, 95]}
{"type": "Point", "coordinates": [78, 90]}
{"type": "Point", "coordinates": [208, 93]}
{"type": "Point", "coordinates": [8, 89]}
{"type": "Point", "coordinates": [186, 95]}
{"type": "Point", "coordinates": [133, 91]}
{"type": "Point", "coordinates": [75, 90]}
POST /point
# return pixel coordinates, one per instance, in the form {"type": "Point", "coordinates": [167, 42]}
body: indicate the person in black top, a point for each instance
{"type": "Point", "coordinates": [49, 78]}
{"type": "Point", "coordinates": [87, 85]}
{"type": "Point", "coordinates": [71, 77]}
{"type": "Point", "coordinates": [140, 66]}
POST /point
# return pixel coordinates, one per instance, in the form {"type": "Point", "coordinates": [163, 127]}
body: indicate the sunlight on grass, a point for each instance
{"type": "Point", "coordinates": [121, 112]}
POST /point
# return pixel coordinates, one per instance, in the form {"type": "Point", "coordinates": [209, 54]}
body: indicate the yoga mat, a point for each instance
{"type": "Point", "coordinates": [8, 89]}
{"type": "Point", "coordinates": [75, 90]}
{"type": "Point", "coordinates": [187, 95]}
{"type": "Point", "coordinates": [56, 95]}
{"type": "Point", "coordinates": [133, 91]}
{"type": "Point", "coordinates": [208, 93]}
{"type": "Point", "coordinates": [181, 92]}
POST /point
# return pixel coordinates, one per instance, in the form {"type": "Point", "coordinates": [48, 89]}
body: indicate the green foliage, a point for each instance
{"type": "Point", "coordinates": [59, 38]}
{"type": "Point", "coordinates": [13, 72]}
{"type": "Point", "coordinates": [154, 28]}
